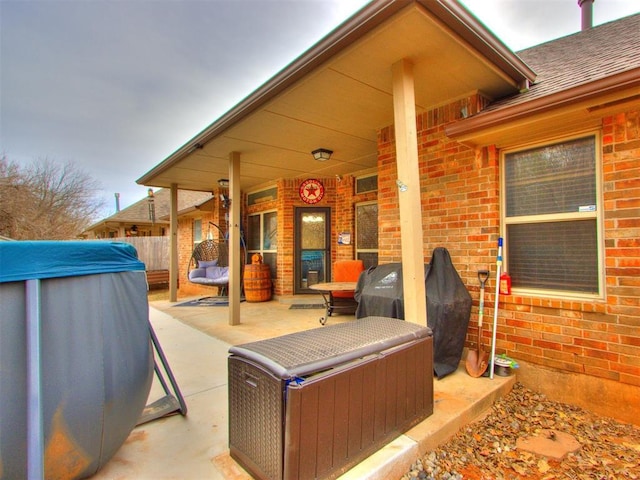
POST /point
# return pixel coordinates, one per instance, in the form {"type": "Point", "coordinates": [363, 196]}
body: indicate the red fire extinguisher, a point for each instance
{"type": "Point", "coordinates": [505, 284]}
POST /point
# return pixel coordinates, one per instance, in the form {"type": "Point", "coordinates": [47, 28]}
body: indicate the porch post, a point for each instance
{"type": "Point", "coordinates": [415, 303]}
{"type": "Point", "coordinates": [234, 238]}
{"type": "Point", "coordinates": [173, 244]}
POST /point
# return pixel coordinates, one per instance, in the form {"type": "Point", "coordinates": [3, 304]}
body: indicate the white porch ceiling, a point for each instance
{"type": "Point", "coordinates": [340, 104]}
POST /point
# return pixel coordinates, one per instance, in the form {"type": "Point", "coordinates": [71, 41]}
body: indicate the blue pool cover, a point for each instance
{"type": "Point", "coordinates": [28, 260]}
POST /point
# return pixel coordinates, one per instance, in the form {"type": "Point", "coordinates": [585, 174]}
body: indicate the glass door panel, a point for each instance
{"type": "Point", "coordinates": [312, 248]}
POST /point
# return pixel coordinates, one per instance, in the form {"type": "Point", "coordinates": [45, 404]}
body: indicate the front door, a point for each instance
{"type": "Point", "coordinates": [312, 247]}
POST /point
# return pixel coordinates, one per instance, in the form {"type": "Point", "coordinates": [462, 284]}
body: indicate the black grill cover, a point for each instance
{"type": "Point", "coordinates": [379, 293]}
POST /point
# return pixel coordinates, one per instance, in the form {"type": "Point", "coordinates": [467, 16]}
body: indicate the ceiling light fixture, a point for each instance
{"type": "Point", "coordinates": [322, 154]}
{"type": "Point", "coordinates": [223, 182]}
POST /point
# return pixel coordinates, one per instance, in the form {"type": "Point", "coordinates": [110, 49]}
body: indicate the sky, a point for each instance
{"type": "Point", "coordinates": [116, 86]}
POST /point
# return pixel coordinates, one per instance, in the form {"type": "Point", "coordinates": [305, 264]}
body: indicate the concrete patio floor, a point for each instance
{"type": "Point", "coordinates": [196, 340]}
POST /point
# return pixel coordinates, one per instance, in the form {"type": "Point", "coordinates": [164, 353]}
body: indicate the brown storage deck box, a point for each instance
{"type": "Point", "coordinates": [313, 404]}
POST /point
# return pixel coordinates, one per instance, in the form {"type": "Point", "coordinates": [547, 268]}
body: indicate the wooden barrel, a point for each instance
{"type": "Point", "coordinates": [257, 282]}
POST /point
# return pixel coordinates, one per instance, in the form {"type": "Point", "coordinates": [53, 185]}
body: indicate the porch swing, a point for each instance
{"type": "Point", "coordinates": [209, 262]}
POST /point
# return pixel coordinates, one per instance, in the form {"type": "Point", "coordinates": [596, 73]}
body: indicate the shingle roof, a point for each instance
{"type": "Point", "coordinates": [578, 59]}
{"type": "Point", "coordinates": [139, 211]}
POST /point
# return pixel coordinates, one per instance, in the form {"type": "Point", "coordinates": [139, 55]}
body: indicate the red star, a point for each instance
{"type": "Point", "coordinates": [311, 190]}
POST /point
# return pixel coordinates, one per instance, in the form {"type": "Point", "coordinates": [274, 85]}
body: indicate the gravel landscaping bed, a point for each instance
{"type": "Point", "coordinates": [606, 449]}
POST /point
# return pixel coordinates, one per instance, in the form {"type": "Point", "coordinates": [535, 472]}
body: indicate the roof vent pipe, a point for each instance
{"type": "Point", "coordinates": [586, 9]}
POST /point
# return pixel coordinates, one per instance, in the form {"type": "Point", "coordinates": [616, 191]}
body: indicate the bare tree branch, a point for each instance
{"type": "Point", "coordinates": [46, 200]}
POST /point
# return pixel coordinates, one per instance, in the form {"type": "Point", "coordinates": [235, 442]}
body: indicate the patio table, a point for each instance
{"type": "Point", "coordinates": [326, 289]}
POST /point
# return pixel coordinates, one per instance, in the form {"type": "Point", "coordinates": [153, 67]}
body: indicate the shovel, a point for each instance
{"type": "Point", "coordinates": [477, 361]}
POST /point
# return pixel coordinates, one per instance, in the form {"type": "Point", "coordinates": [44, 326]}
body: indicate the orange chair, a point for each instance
{"type": "Point", "coordinates": [344, 271]}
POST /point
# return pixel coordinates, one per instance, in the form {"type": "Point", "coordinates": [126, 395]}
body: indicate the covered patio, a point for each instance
{"type": "Point", "coordinates": [368, 79]}
{"type": "Point", "coordinates": [196, 446]}
{"type": "Point", "coordinates": [422, 95]}
{"type": "Point", "coordinates": [361, 87]}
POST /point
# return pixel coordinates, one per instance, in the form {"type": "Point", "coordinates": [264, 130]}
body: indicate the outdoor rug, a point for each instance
{"type": "Point", "coordinates": [300, 306]}
{"type": "Point", "coordinates": [207, 302]}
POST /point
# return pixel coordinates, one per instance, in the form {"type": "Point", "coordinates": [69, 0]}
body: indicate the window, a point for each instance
{"type": "Point", "coordinates": [367, 233]}
{"type": "Point", "coordinates": [197, 231]}
{"type": "Point", "coordinates": [552, 218]}
{"type": "Point", "coordinates": [368, 183]}
{"type": "Point", "coordinates": [262, 237]}
{"type": "Point", "coordinates": [266, 195]}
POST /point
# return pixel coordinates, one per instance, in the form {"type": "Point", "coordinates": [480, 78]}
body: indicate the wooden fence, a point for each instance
{"type": "Point", "coordinates": [153, 251]}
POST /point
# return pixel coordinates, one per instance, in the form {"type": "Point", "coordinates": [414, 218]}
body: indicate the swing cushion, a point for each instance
{"type": "Point", "coordinates": [210, 275]}
{"type": "Point", "coordinates": [207, 263]}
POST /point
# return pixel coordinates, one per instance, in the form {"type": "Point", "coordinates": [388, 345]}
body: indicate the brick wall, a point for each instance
{"type": "Point", "coordinates": [389, 248]}
{"type": "Point", "coordinates": [345, 215]}
{"type": "Point", "coordinates": [339, 196]}
{"type": "Point", "coordinates": [288, 201]}
{"type": "Point", "coordinates": [621, 187]}
{"type": "Point", "coordinates": [600, 339]}
{"type": "Point", "coordinates": [460, 204]}
{"type": "Point", "coordinates": [344, 220]}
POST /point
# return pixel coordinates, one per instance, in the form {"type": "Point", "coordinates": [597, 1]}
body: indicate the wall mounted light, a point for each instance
{"type": "Point", "coordinates": [223, 182]}
{"type": "Point", "coordinates": [322, 154]}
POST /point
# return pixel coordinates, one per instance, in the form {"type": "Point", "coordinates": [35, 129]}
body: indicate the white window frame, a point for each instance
{"type": "Point", "coordinates": [544, 218]}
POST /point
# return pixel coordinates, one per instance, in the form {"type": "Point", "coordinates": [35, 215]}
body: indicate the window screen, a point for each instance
{"type": "Point", "coordinates": [270, 231]}
{"type": "Point", "coordinates": [262, 196]}
{"type": "Point", "coordinates": [555, 179]}
{"type": "Point", "coordinates": [253, 232]}
{"type": "Point", "coordinates": [367, 233]}
{"type": "Point", "coordinates": [367, 184]}
{"type": "Point", "coordinates": [197, 231]}
{"type": "Point", "coordinates": [551, 218]}
{"type": "Point", "coordinates": [554, 255]}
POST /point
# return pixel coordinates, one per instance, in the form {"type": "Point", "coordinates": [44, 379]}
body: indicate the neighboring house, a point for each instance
{"type": "Point", "coordinates": [441, 136]}
{"type": "Point", "coordinates": [145, 225]}
{"type": "Point", "coordinates": [146, 217]}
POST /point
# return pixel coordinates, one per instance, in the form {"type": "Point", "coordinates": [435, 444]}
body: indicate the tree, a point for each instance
{"type": "Point", "coordinates": [46, 200]}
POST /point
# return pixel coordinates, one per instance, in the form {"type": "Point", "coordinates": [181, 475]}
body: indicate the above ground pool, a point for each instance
{"type": "Point", "coordinates": [76, 363]}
